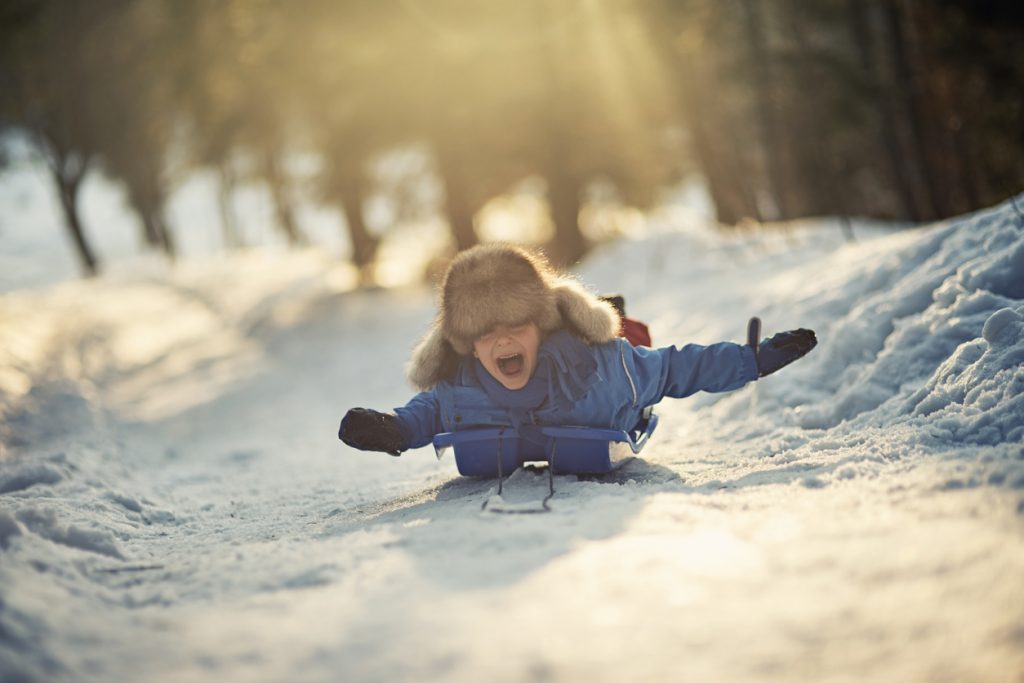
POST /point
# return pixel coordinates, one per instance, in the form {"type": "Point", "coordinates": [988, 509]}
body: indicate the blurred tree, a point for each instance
{"type": "Point", "coordinates": [567, 91]}
{"type": "Point", "coordinates": [602, 112]}
{"type": "Point", "coordinates": [700, 41]}
{"type": "Point", "coordinates": [348, 81]}
{"type": "Point", "coordinates": [470, 97]}
{"type": "Point", "coordinates": [208, 86]}
{"type": "Point", "coordinates": [504, 91]}
{"type": "Point", "coordinates": [634, 119]}
{"type": "Point", "coordinates": [885, 130]}
{"type": "Point", "coordinates": [905, 86]}
{"type": "Point", "coordinates": [270, 62]}
{"type": "Point", "coordinates": [895, 109]}
{"type": "Point", "coordinates": [48, 72]}
{"type": "Point", "coordinates": [883, 139]}
{"type": "Point", "coordinates": [238, 94]}
{"type": "Point", "coordinates": [137, 103]}
{"type": "Point", "coordinates": [209, 103]}
{"type": "Point", "coordinates": [562, 129]}
{"type": "Point", "coordinates": [811, 45]}
{"type": "Point", "coordinates": [761, 73]}
{"type": "Point", "coordinates": [967, 59]}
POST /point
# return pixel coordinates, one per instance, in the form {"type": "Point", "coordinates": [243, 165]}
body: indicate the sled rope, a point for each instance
{"type": "Point", "coordinates": [551, 476]}
{"type": "Point", "coordinates": [501, 481]}
{"type": "Point", "coordinates": [501, 476]}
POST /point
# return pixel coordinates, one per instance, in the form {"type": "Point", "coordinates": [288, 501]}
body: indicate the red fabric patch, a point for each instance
{"type": "Point", "coordinates": [635, 332]}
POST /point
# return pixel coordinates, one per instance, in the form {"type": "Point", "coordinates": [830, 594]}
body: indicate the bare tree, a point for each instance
{"type": "Point", "coordinates": [49, 69]}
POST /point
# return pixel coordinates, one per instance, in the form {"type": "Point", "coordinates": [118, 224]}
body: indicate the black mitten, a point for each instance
{"type": "Point", "coordinates": [782, 349]}
{"type": "Point", "coordinates": [369, 430]}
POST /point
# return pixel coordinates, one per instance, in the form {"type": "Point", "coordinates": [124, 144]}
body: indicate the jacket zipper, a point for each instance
{"type": "Point", "coordinates": [625, 368]}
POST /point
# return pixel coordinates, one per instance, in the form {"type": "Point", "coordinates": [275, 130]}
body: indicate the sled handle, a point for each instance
{"type": "Point", "coordinates": [754, 334]}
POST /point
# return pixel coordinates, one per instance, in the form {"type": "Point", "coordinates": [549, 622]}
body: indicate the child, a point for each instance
{"type": "Point", "coordinates": [515, 344]}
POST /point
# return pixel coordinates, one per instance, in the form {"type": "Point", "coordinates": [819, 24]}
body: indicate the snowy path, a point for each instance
{"type": "Point", "coordinates": [174, 505]}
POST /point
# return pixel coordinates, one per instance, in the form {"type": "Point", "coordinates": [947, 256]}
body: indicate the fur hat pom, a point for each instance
{"type": "Point", "coordinates": [500, 284]}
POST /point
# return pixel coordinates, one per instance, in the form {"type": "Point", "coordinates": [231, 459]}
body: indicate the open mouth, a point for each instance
{"type": "Point", "coordinates": [512, 364]}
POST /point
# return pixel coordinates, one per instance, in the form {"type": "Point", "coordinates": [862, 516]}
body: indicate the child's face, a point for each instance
{"type": "Point", "coordinates": [509, 353]}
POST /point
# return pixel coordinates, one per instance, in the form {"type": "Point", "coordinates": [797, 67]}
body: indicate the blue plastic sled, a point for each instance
{"type": "Point", "coordinates": [490, 452]}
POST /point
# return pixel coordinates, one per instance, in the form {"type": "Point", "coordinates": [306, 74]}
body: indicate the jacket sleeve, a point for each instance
{"type": "Point", "coordinates": [420, 419]}
{"type": "Point", "coordinates": [680, 372]}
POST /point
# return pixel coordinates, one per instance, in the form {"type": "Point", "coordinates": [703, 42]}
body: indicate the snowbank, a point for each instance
{"type": "Point", "coordinates": [174, 504]}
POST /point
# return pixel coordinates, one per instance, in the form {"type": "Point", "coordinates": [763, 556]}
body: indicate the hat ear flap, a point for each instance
{"type": "Point", "coordinates": [433, 360]}
{"type": "Point", "coordinates": [594, 320]}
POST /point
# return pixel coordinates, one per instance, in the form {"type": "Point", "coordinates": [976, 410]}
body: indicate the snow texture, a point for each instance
{"type": "Point", "coordinates": [174, 505]}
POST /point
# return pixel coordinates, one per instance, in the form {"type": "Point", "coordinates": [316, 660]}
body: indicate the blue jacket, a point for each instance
{"type": "Point", "coordinates": [630, 379]}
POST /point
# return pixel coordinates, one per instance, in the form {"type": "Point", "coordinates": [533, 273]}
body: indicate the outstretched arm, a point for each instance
{"type": "Point", "coordinates": [411, 426]}
{"type": "Point", "coordinates": [679, 372]}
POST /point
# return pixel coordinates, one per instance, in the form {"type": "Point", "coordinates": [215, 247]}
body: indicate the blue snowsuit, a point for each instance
{"type": "Point", "coordinates": [627, 379]}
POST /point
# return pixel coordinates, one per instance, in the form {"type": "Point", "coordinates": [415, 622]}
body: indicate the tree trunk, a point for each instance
{"type": "Point", "coordinates": [729, 187]}
{"type": "Point", "coordinates": [228, 222]}
{"type": "Point", "coordinates": [283, 210]}
{"type": "Point", "coordinates": [964, 151]}
{"type": "Point", "coordinates": [772, 142]}
{"type": "Point", "coordinates": [150, 232]}
{"type": "Point", "coordinates": [569, 244]}
{"type": "Point", "coordinates": [67, 187]}
{"type": "Point", "coordinates": [68, 169]}
{"type": "Point", "coordinates": [153, 219]}
{"type": "Point", "coordinates": [907, 88]}
{"type": "Point", "coordinates": [704, 118]}
{"type": "Point", "coordinates": [943, 99]}
{"type": "Point", "coordinates": [457, 205]}
{"type": "Point", "coordinates": [887, 141]}
{"type": "Point", "coordinates": [364, 245]}
{"type": "Point", "coordinates": [170, 244]}
{"type": "Point", "coordinates": [556, 160]}
{"type": "Point", "coordinates": [146, 198]}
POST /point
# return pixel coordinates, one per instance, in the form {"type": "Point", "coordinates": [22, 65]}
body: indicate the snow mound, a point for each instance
{"type": "Point", "coordinates": [25, 475]}
{"type": "Point", "coordinates": [9, 528]}
{"type": "Point", "coordinates": [978, 392]}
{"type": "Point", "coordinates": [48, 524]}
{"type": "Point", "coordinates": [938, 333]}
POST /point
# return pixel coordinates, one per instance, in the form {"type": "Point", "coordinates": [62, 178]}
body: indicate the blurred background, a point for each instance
{"type": "Point", "coordinates": [447, 122]}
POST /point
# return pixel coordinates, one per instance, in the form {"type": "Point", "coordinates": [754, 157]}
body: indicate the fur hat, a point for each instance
{"type": "Point", "coordinates": [500, 284]}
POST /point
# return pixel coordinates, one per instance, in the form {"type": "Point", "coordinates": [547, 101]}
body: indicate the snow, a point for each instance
{"type": "Point", "coordinates": [175, 506]}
